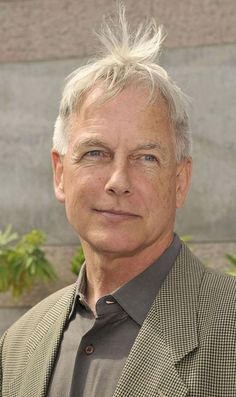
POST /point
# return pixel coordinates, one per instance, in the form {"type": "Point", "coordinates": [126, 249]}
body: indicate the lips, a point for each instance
{"type": "Point", "coordinates": [116, 214]}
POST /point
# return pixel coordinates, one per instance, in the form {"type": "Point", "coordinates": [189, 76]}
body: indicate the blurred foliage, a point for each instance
{"type": "Point", "coordinates": [231, 258]}
{"type": "Point", "coordinates": [232, 261]}
{"type": "Point", "coordinates": [77, 260]}
{"type": "Point", "coordinates": [23, 263]}
{"type": "Point", "coordinates": [187, 238]}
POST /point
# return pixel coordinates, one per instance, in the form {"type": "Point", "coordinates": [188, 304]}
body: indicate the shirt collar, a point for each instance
{"type": "Point", "coordinates": [137, 295]}
{"type": "Point", "coordinates": [80, 289]}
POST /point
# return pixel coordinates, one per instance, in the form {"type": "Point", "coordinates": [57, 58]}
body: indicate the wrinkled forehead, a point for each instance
{"type": "Point", "coordinates": [134, 93]}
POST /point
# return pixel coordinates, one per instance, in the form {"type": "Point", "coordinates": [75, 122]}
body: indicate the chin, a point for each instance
{"type": "Point", "coordinates": [124, 247]}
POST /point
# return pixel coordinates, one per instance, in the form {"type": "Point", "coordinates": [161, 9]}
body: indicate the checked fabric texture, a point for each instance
{"type": "Point", "coordinates": [186, 345]}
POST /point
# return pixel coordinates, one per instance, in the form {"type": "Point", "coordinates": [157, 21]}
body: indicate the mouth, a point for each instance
{"type": "Point", "coordinates": [116, 214]}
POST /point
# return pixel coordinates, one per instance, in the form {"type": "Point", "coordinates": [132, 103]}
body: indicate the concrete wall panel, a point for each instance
{"type": "Point", "coordinates": [208, 75]}
{"type": "Point", "coordinates": [195, 23]}
{"type": "Point", "coordinates": [28, 108]}
{"type": "Point", "coordinates": [55, 29]}
{"type": "Point", "coordinates": [33, 30]}
{"type": "Point", "coordinates": [9, 315]}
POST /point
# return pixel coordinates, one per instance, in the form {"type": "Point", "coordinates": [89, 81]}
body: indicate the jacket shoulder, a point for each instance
{"type": "Point", "coordinates": [47, 310]}
{"type": "Point", "coordinates": [214, 291]}
{"type": "Point", "coordinates": [212, 281]}
{"type": "Point", "coordinates": [218, 295]}
{"type": "Point", "coordinates": [40, 326]}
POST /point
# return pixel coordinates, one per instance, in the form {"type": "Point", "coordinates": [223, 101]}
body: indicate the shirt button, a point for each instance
{"type": "Point", "coordinates": [89, 349]}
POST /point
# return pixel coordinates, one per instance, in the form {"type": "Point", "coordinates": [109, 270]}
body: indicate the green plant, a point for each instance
{"type": "Point", "coordinates": [22, 264]}
{"type": "Point", "coordinates": [186, 238]}
{"type": "Point", "coordinates": [77, 261]}
{"type": "Point", "coordinates": [232, 260]}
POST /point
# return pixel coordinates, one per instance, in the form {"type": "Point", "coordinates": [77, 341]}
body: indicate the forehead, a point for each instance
{"type": "Point", "coordinates": [137, 96]}
{"type": "Point", "coordinates": [129, 112]}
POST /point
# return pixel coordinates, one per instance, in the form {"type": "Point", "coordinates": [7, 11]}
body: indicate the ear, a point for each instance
{"type": "Point", "coordinates": [183, 178]}
{"type": "Point", "coordinates": [57, 165]}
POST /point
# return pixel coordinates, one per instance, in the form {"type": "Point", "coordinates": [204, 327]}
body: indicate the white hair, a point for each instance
{"type": "Point", "coordinates": [125, 57]}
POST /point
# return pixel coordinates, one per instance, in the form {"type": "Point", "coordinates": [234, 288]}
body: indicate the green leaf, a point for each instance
{"type": "Point", "coordinates": [231, 259]}
{"type": "Point", "coordinates": [231, 272]}
{"type": "Point", "coordinates": [3, 278]}
{"type": "Point", "coordinates": [24, 264]}
{"type": "Point", "coordinates": [7, 236]}
{"type": "Point", "coordinates": [186, 238]}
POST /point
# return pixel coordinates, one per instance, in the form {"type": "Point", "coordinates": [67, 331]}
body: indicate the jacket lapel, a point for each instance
{"type": "Point", "coordinates": [167, 335]}
{"type": "Point", "coordinates": [42, 349]}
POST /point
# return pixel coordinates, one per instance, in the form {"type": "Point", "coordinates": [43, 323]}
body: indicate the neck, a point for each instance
{"type": "Point", "coordinates": [108, 272]}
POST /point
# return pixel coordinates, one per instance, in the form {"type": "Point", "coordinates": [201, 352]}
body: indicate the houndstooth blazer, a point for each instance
{"type": "Point", "coordinates": [186, 345]}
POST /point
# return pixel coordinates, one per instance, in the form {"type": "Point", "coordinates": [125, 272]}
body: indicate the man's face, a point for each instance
{"type": "Point", "coordinates": [119, 179]}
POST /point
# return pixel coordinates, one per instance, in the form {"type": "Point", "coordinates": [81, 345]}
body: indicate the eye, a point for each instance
{"type": "Point", "coordinates": [91, 156]}
{"type": "Point", "coordinates": [149, 157]}
{"type": "Point", "coordinates": [94, 153]}
{"type": "Point", "coordinates": [100, 155]}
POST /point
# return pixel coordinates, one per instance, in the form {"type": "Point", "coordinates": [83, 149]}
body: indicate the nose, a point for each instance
{"type": "Point", "coordinates": [119, 181]}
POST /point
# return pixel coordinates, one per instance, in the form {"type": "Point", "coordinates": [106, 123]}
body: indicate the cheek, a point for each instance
{"type": "Point", "coordinates": [169, 190]}
{"type": "Point", "coordinates": [82, 188]}
{"type": "Point", "coordinates": [160, 194]}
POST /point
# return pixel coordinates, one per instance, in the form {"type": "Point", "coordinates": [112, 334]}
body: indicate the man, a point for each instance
{"type": "Point", "coordinates": [145, 317]}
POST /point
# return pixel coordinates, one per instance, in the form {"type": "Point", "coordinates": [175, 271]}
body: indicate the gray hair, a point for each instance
{"type": "Point", "coordinates": [125, 57]}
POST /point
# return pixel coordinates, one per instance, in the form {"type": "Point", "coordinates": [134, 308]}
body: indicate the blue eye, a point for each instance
{"type": "Point", "coordinates": [149, 157]}
{"type": "Point", "coordinates": [94, 153]}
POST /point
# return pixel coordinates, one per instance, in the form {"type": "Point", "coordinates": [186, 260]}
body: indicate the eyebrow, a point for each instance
{"type": "Point", "coordinates": [149, 145]}
{"type": "Point", "coordinates": [88, 142]}
{"type": "Point", "coordinates": [98, 142]}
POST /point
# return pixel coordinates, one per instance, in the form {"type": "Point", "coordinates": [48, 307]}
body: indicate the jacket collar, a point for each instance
{"type": "Point", "coordinates": [168, 334]}
{"type": "Point", "coordinates": [177, 304]}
